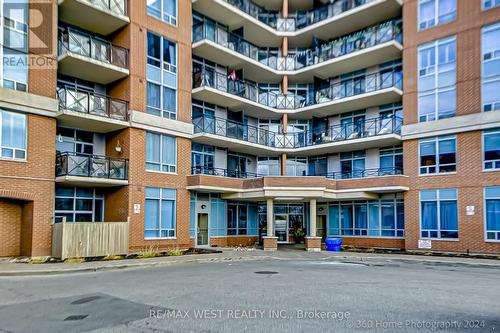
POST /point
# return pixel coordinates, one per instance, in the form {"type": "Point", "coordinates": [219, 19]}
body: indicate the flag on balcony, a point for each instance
{"type": "Point", "coordinates": [232, 75]}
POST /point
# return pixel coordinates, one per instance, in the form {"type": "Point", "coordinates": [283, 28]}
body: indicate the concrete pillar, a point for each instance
{"type": "Point", "coordinates": [270, 242]}
{"type": "Point", "coordinates": [284, 8]}
{"type": "Point", "coordinates": [312, 218]}
{"type": "Point", "coordinates": [313, 243]}
{"type": "Point", "coordinates": [283, 164]}
{"type": "Point", "coordinates": [270, 217]}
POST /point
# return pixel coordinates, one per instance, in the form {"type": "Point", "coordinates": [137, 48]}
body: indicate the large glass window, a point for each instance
{"type": "Point", "coordinates": [438, 155]}
{"type": "Point", "coordinates": [237, 218]}
{"type": "Point", "coordinates": [15, 45]}
{"type": "Point", "coordinates": [391, 160]}
{"type": "Point", "coordinates": [439, 213]}
{"type": "Point", "coordinates": [492, 207]}
{"type": "Point", "coordinates": [161, 152]}
{"type": "Point", "coordinates": [352, 164]}
{"type": "Point", "coordinates": [202, 158]}
{"type": "Point", "coordinates": [488, 4]}
{"type": "Point", "coordinates": [159, 213]}
{"type": "Point", "coordinates": [435, 12]}
{"type": "Point", "coordinates": [79, 204]}
{"type": "Point", "coordinates": [269, 166]}
{"type": "Point", "coordinates": [436, 80]}
{"type": "Point", "coordinates": [296, 166]}
{"type": "Point", "coordinates": [490, 74]}
{"type": "Point", "coordinates": [491, 149]}
{"type": "Point", "coordinates": [165, 10]}
{"type": "Point", "coordinates": [161, 73]}
{"type": "Point", "coordinates": [318, 166]}
{"type": "Point", "coordinates": [374, 218]}
{"type": "Point", "coordinates": [12, 135]}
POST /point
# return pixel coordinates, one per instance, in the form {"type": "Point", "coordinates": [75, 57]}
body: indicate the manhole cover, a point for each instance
{"type": "Point", "coordinates": [266, 272]}
{"type": "Point", "coordinates": [85, 300]}
{"type": "Point", "coordinates": [75, 317]}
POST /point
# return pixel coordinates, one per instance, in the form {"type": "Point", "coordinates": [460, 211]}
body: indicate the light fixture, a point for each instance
{"type": "Point", "coordinates": [118, 147]}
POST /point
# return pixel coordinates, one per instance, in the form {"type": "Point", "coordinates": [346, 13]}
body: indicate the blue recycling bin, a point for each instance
{"type": "Point", "coordinates": [333, 244]}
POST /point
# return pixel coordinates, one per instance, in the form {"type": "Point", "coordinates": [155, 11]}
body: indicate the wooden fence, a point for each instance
{"type": "Point", "coordinates": [89, 239]}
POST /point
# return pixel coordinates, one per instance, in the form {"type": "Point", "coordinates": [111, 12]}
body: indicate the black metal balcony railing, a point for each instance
{"type": "Point", "coordinates": [372, 36]}
{"type": "Point", "coordinates": [208, 77]}
{"type": "Point", "coordinates": [74, 41]}
{"type": "Point", "coordinates": [82, 165]}
{"type": "Point", "coordinates": [297, 20]}
{"type": "Point", "coordinates": [394, 171]}
{"type": "Point", "coordinates": [74, 99]}
{"type": "Point", "coordinates": [115, 6]}
{"type": "Point", "coordinates": [342, 132]}
{"type": "Point", "coordinates": [201, 170]}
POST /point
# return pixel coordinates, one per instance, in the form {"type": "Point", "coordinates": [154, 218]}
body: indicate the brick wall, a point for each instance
{"type": "Point", "coordinates": [10, 227]}
{"type": "Point", "coordinates": [469, 180]}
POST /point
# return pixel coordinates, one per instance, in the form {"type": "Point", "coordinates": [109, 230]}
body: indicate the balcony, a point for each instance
{"type": "Point", "coordinates": [100, 16]}
{"type": "Point", "coordinates": [91, 58]}
{"type": "Point", "coordinates": [366, 134]}
{"type": "Point", "coordinates": [267, 26]}
{"type": "Point", "coordinates": [355, 93]}
{"type": "Point", "coordinates": [201, 170]}
{"type": "Point", "coordinates": [90, 111]}
{"type": "Point", "coordinates": [364, 184]}
{"type": "Point", "coordinates": [365, 48]}
{"type": "Point", "coordinates": [81, 169]}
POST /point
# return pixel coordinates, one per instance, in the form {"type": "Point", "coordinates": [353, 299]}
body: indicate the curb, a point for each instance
{"type": "Point", "coordinates": [340, 258]}
{"type": "Point", "coordinates": [120, 266]}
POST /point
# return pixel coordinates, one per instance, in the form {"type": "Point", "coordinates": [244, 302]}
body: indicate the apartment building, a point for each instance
{"type": "Point", "coordinates": [151, 125]}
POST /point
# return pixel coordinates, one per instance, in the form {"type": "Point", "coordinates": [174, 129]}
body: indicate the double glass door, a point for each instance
{"type": "Point", "coordinates": [281, 227]}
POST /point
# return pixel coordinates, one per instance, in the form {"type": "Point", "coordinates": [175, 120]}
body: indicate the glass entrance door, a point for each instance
{"type": "Point", "coordinates": [281, 227]}
{"type": "Point", "coordinates": [202, 230]}
{"type": "Point", "coordinates": [321, 226]}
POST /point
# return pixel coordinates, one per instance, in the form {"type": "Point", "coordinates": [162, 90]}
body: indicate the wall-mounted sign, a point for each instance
{"type": "Point", "coordinates": [470, 210]}
{"type": "Point", "coordinates": [137, 208]}
{"type": "Point", "coordinates": [424, 244]}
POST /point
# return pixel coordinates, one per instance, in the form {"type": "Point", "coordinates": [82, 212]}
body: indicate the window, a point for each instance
{"type": "Point", "coordinates": [79, 204]}
{"type": "Point", "coordinates": [13, 135]}
{"type": "Point", "coordinates": [237, 218]}
{"type": "Point", "coordinates": [488, 4]}
{"type": "Point", "coordinates": [436, 80]}
{"type": "Point", "coordinates": [438, 213]}
{"type": "Point", "coordinates": [74, 141]}
{"type": "Point", "coordinates": [318, 166]}
{"type": "Point", "coordinates": [490, 74]}
{"type": "Point", "coordinates": [268, 166]}
{"type": "Point", "coordinates": [15, 45]}
{"type": "Point", "coordinates": [165, 10]}
{"type": "Point", "coordinates": [435, 12]}
{"type": "Point", "coordinates": [159, 213]}
{"type": "Point", "coordinates": [491, 148]}
{"type": "Point", "coordinates": [352, 164]}
{"type": "Point", "coordinates": [492, 204]}
{"type": "Point", "coordinates": [374, 218]}
{"type": "Point", "coordinates": [391, 160]}
{"type": "Point", "coordinates": [202, 158]}
{"type": "Point", "coordinates": [161, 73]}
{"type": "Point", "coordinates": [437, 155]}
{"type": "Point", "coordinates": [296, 166]}
{"type": "Point", "coordinates": [161, 152]}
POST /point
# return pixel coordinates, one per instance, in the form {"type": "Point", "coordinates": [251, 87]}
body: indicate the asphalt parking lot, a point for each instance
{"type": "Point", "coordinates": [301, 294]}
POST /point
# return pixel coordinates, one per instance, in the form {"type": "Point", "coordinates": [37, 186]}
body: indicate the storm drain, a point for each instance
{"type": "Point", "coordinates": [85, 300]}
{"type": "Point", "coordinates": [75, 317]}
{"type": "Point", "coordinates": [266, 272]}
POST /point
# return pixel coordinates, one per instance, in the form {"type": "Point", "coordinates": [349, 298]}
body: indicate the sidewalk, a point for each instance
{"type": "Point", "coordinates": [25, 269]}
